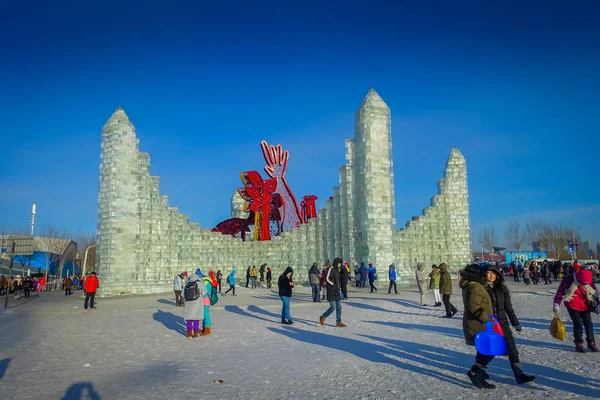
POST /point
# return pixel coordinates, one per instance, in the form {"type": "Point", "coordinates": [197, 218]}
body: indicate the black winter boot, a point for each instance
{"type": "Point", "coordinates": [579, 347]}
{"type": "Point", "coordinates": [478, 378]}
{"type": "Point", "coordinates": [520, 376]}
{"type": "Point", "coordinates": [592, 346]}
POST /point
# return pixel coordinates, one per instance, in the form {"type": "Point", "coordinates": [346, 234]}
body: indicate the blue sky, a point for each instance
{"type": "Point", "coordinates": [515, 87]}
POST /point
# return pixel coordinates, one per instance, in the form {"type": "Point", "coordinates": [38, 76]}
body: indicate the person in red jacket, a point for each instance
{"type": "Point", "coordinates": [580, 297]}
{"type": "Point", "coordinates": [90, 286]}
{"type": "Point", "coordinates": [576, 266]}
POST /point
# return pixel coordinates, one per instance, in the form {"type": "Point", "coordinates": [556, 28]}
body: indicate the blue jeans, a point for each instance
{"type": "Point", "coordinates": [285, 310]}
{"type": "Point", "coordinates": [316, 289]}
{"type": "Point", "coordinates": [338, 310]}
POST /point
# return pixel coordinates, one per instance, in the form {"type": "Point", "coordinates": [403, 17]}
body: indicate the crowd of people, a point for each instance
{"type": "Point", "coordinates": [17, 285]}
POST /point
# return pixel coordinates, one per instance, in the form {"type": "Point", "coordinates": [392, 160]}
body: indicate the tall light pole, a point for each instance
{"type": "Point", "coordinates": [572, 233]}
{"type": "Point", "coordinates": [85, 260]}
{"type": "Point", "coordinates": [32, 219]}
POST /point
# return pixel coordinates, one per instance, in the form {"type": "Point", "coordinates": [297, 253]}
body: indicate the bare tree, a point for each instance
{"type": "Point", "coordinates": [558, 237]}
{"type": "Point", "coordinates": [488, 238]}
{"type": "Point", "coordinates": [515, 236]}
{"type": "Point", "coordinates": [53, 242]}
{"type": "Point", "coordinates": [538, 233]}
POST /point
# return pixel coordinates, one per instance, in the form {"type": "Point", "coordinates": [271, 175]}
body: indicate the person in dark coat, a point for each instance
{"type": "Point", "coordinates": [344, 277]}
{"type": "Point", "coordinates": [478, 311]}
{"type": "Point", "coordinates": [363, 275]}
{"type": "Point", "coordinates": [333, 293]}
{"type": "Point", "coordinates": [248, 276]}
{"type": "Point", "coordinates": [504, 312]}
{"type": "Point", "coordinates": [446, 290]}
{"type": "Point", "coordinates": [286, 284]}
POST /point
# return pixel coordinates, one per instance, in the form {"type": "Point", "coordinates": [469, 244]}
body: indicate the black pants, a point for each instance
{"type": "Point", "coordinates": [393, 284]}
{"type": "Point", "coordinates": [516, 277]}
{"type": "Point", "coordinates": [449, 307]}
{"type": "Point", "coordinates": [262, 276]}
{"type": "Point", "coordinates": [89, 299]}
{"type": "Point", "coordinates": [269, 283]}
{"type": "Point", "coordinates": [371, 282]}
{"type": "Point", "coordinates": [231, 287]}
{"type": "Point", "coordinates": [67, 292]}
{"type": "Point", "coordinates": [178, 298]}
{"type": "Point", "coordinates": [581, 319]}
{"type": "Point", "coordinates": [219, 285]}
{"type": "Point", "coordinates": [27, 293]}
{"type": "Point", "coordinates": [247, 280]}
{"type": "Point", "coordinates": [344, 288]}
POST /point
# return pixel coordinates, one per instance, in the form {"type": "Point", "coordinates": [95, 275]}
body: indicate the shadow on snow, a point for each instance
{"type": "Point", "coordinates": [80, 391]}
{"type": "Point", "coordinates": [171, 321]}
{"type": "Point", "coordinates": [4, 366]}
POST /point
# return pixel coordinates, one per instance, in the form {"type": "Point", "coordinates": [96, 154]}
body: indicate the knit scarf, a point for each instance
{"type": "Point", "coordinates": [590, 293]}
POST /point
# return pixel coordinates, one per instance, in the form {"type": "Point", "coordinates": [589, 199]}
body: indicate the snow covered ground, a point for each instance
{"type": "Point", "coordinates": [134, 348]}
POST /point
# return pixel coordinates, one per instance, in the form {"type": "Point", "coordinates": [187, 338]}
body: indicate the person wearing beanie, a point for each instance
{"type": "Point", "coordinates": [504, 313]}
{"type": "Point", "coordinates": [194, 294]}
{"type": "Point", "coordinates": [478, 311]}
{"type": "Point", "coordinates": [581, 299]}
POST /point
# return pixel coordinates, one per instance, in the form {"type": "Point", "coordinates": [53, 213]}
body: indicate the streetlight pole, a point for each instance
{"type": "Point", "coordinates": [85, 260]}
{"type": "Point", "coordinates": [572, 232]}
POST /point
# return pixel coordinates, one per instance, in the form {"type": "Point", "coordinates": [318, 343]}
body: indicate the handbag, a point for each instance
{"type": "Point", "coordinates": [490, 342]}
{"type": "Point", "coordinates": [557, 328]}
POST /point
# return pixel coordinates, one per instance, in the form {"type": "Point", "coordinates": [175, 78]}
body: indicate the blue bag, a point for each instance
{"type": "Point", "coordinates": [489, 342]}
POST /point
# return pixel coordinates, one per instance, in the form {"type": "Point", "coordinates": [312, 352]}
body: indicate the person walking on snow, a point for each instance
{"type": "Point", "coordinates": [68, 286]}
{"type": "Point", "coordinates": [332, 278]}
{"type": "Point", "coordinates": [446, 290]}
{"type": "Point", "coordinates": [478, 310]}
{"type": "Point", "coordinates": [269, 277]}
{"type": "Point", "coordinates": [363, 275]}
{"type": "Point", "coordinates": [434, 285]}
{"type": "Point", "coordinates": [372, 274]}
{"type": "Point", "coordinates": [194, 294]}
{"type": "Point", "coordinates": [231, 283]}
{"type": "Point", "coordinates": [421, 277]}
{"type": "Point", "coordinates": [248, 276]}
{"type": "Point", "coordinates": [581, 298]}
{"type": "Point", "coordinates": [286, 284]}
{"type": "Point", "coordinates": [27, 286]}
{"type": "Point", "coordinates": [219, 278]}
{"type": "Point", "coordinates": [344, 277]}
{"type": "Point", "coordinates": [392, 276]}
{"type": "Point", "coordinates": [314, 278]}
{"type": "Point", "coordinates": [177, 288]}
{"type": "Point", "coordinates": [262, 272]}
{"type": "Point", "coordinates": [90, 286]}
{"type": "Point", "coordinates": [504, 312]}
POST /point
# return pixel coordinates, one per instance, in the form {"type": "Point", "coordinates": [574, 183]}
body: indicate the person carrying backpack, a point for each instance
{"type": "Point", "coordinates": [194, 294]}
{"type": "Point", "coordinates": [231, 283]}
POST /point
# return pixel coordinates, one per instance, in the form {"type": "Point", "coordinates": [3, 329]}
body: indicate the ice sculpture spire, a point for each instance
{"type": "Point", "coordinates": [118, 200]}
{"type": "Point", "coordinates": [375, 219]}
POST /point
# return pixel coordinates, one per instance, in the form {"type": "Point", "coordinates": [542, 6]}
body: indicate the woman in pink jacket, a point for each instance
{"type": "Point", "coordinates": [581, 298]}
